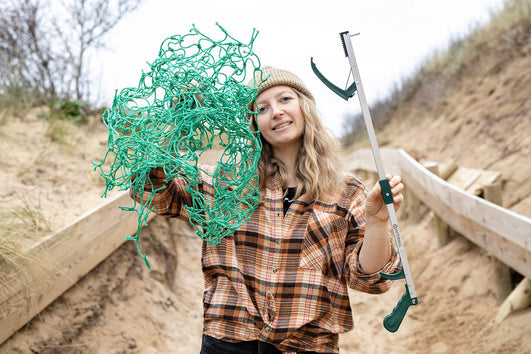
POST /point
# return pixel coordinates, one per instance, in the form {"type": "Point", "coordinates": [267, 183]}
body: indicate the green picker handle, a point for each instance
{"type": "Point", "coordinates": [394, 319]}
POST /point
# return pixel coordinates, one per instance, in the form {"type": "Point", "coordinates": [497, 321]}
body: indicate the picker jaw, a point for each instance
{"type": "Point", "coordinates": [394, 319]}
{"type": "Point", "coordinates": [343, 93]}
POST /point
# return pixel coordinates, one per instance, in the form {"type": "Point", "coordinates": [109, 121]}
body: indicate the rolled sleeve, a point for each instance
{"type": "Point", "coordinates": [372, 283]}
{"type": "Point", "coordinates": [170, 199]}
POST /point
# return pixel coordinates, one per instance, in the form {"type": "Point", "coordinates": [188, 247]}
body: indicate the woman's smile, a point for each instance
{"type": "Point", "coordinates": [282, 126]}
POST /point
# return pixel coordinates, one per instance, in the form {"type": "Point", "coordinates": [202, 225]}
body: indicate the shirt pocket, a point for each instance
{"type": "Point", "coordinates": [323, 247]}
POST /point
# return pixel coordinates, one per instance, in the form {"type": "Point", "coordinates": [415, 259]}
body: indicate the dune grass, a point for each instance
{"type": "Point", "coordinates": [459, 58]}
{"type": "Point", "coordinates": [20, 227]}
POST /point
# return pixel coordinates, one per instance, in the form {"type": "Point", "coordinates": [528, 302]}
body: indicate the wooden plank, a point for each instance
{"type": "Point", "coordinates": [486, 178]}
{"type": "Point", "coordinates": [472, 180]}
{"type": "Point", "coordinates": [464, 177]}
{"type": "Point", "coordinates": [65, 256]}
{"type": "Point", "coordinates": [501, 232]}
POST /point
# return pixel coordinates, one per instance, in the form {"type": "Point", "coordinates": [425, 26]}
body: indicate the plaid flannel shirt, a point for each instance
{"type": "Point", "coordinates": [283, 279]}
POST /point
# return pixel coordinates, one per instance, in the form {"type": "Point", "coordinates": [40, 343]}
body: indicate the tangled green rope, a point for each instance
{"type": "Point", "coordinates": [193, 97]}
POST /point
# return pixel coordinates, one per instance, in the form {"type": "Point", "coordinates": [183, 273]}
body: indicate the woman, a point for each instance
{"type": "Point", "coordinates": [279, 283]}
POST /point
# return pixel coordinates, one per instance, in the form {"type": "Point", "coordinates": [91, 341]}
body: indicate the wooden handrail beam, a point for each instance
{"type": "Point", "coordinates": [66, 256]}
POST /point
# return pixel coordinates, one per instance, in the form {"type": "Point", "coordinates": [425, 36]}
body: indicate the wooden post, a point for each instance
{"type": "Point", "coordinates": [493, 193]}
{"type": "Point", "coordinates": [519, 299]}
{"type": "Point", "coordinates": [446, 170]}
{"type": "Point", "coordinates": [502, 273]}
{"type": "Point", "coordinates": [443, 230]}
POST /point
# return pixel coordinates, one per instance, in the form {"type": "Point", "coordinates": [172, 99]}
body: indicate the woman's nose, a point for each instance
{"type": "Point", "coordinates": [277, 111]}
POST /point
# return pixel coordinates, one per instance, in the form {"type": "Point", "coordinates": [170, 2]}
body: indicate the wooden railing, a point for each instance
{"type": "Point", "coordinates": [77, 248]}
{"type": "Point", "coordinates": [504, 234]}
{"type": "Point", "coordinates": [64, 257]}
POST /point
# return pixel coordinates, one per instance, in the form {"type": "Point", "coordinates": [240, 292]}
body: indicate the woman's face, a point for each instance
{"type": "Point", "coordinates": [280, 119]}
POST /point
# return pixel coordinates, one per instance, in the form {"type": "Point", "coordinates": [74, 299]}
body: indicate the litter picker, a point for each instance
{"type": "Point", "coordinates": [394, 319]}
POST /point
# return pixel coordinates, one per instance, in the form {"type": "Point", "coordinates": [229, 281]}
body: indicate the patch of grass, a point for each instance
{"type": "Point", "coordinates": [513, 13]}
{"type": "Point", "coordinates": [463, 53]}
{"type": "Point", "coordinates": [20, 227]}
{"type": "Point", "coordinates": [71, 111]}
{"type": "Point", "coordinates": [24, 221]}
{"type": "Point", "coordinates": [63, 133]}
{"type": "Point", "coordinates": [32, 170]}
{"type": "Point", "coordinates": [16, 266]}
{"type": "Point", "coordinates": [4, 116]}
{"type": "Point", "coordinates": [14, 102]}
{"type": "Point", "coordinates": [463, 56]}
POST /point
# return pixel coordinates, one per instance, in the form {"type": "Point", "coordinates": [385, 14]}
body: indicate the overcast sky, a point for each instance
{"type": "Point", "coordinates": [396, 36]}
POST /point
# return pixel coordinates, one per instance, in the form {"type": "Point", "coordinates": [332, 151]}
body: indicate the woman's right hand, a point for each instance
{"type": "Point", "coordinates": [198, 98]}
{"type": "Point", "coordinates": [157, 177]}
{"type": "Point", "coordinates": [155, 180]}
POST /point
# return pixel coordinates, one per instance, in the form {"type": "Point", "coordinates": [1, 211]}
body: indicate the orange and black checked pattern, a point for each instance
{"type": "Point", "coordinates": [281, 278]}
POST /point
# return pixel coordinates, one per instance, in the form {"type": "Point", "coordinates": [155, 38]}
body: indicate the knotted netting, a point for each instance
{"type": "Point", "coordinates": [192, 99]}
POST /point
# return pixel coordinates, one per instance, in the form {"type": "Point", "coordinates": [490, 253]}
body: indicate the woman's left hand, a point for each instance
{"type": "Point", "coordinates": [375, 208]}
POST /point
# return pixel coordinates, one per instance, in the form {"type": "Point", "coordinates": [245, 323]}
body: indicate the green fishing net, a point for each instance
{"type": "Point", "coordinates": [192, 99]}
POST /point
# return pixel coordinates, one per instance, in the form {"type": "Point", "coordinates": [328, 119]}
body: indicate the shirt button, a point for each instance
{"type": "Point", "coordinates": [267, 329]}
{"type": "Point", "coordinates": [275, 270]}
{"type": "Point", "coordinates": [278, 241]}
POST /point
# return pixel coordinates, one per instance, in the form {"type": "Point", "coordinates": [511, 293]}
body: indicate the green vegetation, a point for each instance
{"type": "Point", "coordinates": [464, 52]}
{"type": "Point", "coordinates": [44, 54]}
{"type": "Point", "coordinates": [43, 62]}
{"type": "Point", "coordinates": [73, 111]}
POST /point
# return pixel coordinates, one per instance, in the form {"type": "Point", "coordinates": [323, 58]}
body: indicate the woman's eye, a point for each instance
{"type": "Point", "coordinates": [261, 109]}
{"type": "Point", "coordinates": [286, 98]}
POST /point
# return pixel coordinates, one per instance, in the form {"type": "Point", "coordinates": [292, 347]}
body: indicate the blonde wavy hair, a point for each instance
{"type": "Point", "coordinates": [318, 169]}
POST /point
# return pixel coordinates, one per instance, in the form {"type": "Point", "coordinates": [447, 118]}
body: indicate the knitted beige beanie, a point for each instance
{"type": "Point", "coordinates": [277, 77]}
